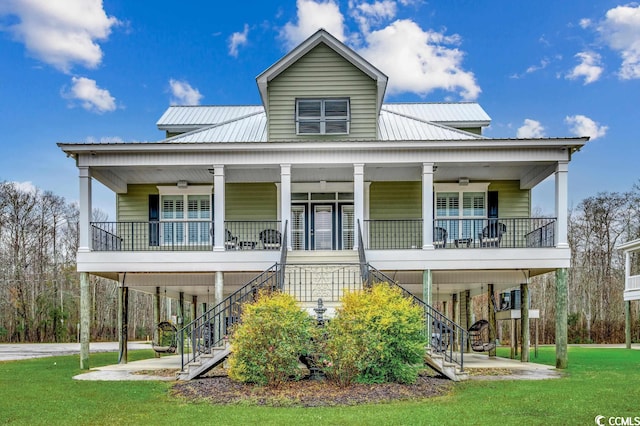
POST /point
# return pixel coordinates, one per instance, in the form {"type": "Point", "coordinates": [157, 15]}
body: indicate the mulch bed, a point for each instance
{"type": "Point", "coordinates": [308, 393]}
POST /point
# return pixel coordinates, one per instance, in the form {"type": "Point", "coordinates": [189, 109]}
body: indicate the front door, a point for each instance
{"type": "Point", "coordinates": [323, 227]}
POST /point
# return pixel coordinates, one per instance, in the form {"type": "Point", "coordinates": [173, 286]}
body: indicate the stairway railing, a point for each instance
{"type": "Point", "coordinates": [445, 336]}
{"type": "Point", "coordinates": [210, 329]}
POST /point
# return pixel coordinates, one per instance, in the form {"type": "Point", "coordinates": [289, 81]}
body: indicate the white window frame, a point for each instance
{"type": "Point", "coordinates": [322, 119]}
{"type": "Point", "coordinates": [201, 190]}
{"type": "Point", "coordinates": [476, 187]}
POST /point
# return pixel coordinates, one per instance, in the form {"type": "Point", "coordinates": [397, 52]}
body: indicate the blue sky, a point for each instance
{"type": "Point", "coordinates": [90, 70]}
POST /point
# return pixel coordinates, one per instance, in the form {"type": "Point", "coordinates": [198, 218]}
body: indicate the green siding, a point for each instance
{"type": "Point", "coordinates": [512, 201]}
{"type": "Point", "coordinates": [134, 205]}
{"type": "Point", "coordinates": [322, 73]}
{"type": "Point", "coordinates": [395, 200]}
{"type": "Point", "coordinates": [251, 201]}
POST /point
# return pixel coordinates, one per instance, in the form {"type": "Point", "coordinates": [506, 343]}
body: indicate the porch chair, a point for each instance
{"type": "Point", "coordinates": [491, 235]}
{"type": "Point", "coordinates": [271, 239]}
{"type": "Point", "coordinates": [439, 237]}
{"type": "Point", "coordinates": [230, 241]}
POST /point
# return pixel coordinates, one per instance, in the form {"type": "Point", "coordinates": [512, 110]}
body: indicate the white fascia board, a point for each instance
{"type": "Point", "coordinates": [137, 147]}
{"type": "Point", "coordinates": [633, 245]}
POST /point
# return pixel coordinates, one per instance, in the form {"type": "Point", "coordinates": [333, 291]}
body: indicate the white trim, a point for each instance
{"type": "Point", "coordinates": [189, 190]}
{"type": "Point", "coordinates": [315, 187]}
{"type": "Point", "coordinates": [456, 187]}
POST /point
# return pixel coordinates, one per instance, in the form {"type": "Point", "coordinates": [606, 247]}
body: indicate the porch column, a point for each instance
{"type": "Point", "coordinates": [85, 210]}
{"type": "Point", "coordinates": [454, 315]}
{"type": "Point", "coordinates": [85, 319]}
{"type": "Point", "coordinates": [358, 202]}
{"type": "Point", "coordinates": [194, 307]}
{"type": "Point", "coordinates": [285, 200]}
{"type": "Point", "coordinates": [218, 208]}
{"type": "Point", "coordinates": [627, 323]}
{"type": "Point", "coordinates": [427, 285]}
{"type": "Point", "coordinates": [123, 320]}
{"type": "Point", "coordinates": [524, 322]}
{"type": "Point", "coordinates": [561, 318]}
{"type": "Point", "coordinates": [156, 313]}
{"type": "Point", "coordinates": [427, 206]}
{"type": "Point", "coordinates": [218, 294]}
{"type": "Point", "coordinates": [562, 200]}
{"type": "Point", "coordinates": [627, 303]}
{"type": "Point", "coordinates": [465, 314]}
{"type": "Point", "coordinates": [493, 326]}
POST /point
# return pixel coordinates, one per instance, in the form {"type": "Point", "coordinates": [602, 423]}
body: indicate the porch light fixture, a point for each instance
{"type": "Point", "coordinates": [463, 181]}
{"type": "Point", "coordinates": [182, 184]}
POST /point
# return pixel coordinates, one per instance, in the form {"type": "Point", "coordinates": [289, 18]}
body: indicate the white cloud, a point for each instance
{"type": "Point", "coordinates": [104, 139]}
{"type": "Point", "coordinates": [531, 129]}
{"type": "Point", "coordinates": [183, 94]}
{"type": "Point", "coordinates": [26, 186]}
{"type": "Point", "coordinates": [621, 30]}
{"type": "Point", "coordinates": [584, 126]}
{"type": "Point", "coordinates": [91, 97]}
{"type": "Point", "coordinates": [60, 32]}
{"type": "Point", "coordinates": [590, 67]}
{"type": "Point", "coordinates": [419, 61]}
{"type": "Point", "coordinates": [367, 14]}
{"type": "Point", "coordinates": [542, 65]}
{"type": "Point", "coordinates": [238, 39]}
{"type": "Point", "coordinates": [312, 16]}
{"type": "Point", "coordinates": [585, 23]}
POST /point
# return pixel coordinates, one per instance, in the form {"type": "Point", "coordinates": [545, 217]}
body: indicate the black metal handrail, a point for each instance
{"type": "Point", "coordinates": [210, 330]}
{"type": "Point", "coordinates": [174, 235]}
{"type": "Point", "coordinates": [399, 234]}
{"type": "Point", "coordinates": [444, 335]}
{"type": "Point", "coordinates": [447, 338]}
{"type": "Point", "coordinates": [337, 279]}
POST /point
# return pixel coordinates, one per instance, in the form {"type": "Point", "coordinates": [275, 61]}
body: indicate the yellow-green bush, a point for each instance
{"type": "Point", "coordinates": [377, 336]}
{"type": "Point", "coordinates": [270, 338]}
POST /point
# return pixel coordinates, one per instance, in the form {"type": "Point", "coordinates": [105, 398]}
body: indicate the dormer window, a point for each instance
{"type": "Point", "coordinates": [322, 116]}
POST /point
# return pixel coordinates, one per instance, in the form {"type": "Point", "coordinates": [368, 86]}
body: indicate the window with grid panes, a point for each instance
{"type": "Point", "coordinates": [322, 116]}
{"type": "Point", "coordinates": [187, 219]}
{"type": "Point", "coordinates": [458, 222]}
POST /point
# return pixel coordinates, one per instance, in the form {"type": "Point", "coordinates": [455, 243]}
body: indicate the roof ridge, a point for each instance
{"type": "Point", "coordinates": [442, 126]}
{"type": "Point", "coordinates": [212, 126]}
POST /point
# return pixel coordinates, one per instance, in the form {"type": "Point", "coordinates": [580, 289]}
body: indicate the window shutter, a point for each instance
{"type": "Point", "coordinates": [154, 217]}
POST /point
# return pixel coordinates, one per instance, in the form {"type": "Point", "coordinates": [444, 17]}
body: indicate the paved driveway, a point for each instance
{"type": "Point", "coordinates": [18, 351]}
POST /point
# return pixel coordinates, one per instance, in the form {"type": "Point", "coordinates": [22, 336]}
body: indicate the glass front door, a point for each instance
{"type": "Point", "coordinates": [323, 227]}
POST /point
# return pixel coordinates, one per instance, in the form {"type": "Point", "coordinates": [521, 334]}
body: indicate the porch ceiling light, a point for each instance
{"type": "Point", "coordinates": [182, 184]}
{"type": "Point", "coordinates": [463, 181]}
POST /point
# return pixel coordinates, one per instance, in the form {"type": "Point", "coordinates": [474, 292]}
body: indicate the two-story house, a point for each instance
{"type": "Point", "coordinates": [324, 171]}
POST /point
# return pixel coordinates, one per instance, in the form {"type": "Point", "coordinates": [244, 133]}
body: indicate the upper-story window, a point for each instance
{"type": "Point", "coordinates": [322, 116]}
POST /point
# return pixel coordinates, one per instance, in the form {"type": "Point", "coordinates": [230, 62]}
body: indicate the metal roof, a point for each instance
{"type": "Point", "coordinates": [461, 113]}
{"type": "Point", "coordinates": [253, 128]}
{"type": "Point", "coordinates": [185, 118]}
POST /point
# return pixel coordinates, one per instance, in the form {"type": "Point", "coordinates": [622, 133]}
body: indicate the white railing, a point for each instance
{"type": "Point", "coordinates": [633, 283]}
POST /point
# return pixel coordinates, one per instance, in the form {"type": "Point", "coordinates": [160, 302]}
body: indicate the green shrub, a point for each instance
{"type": "Point", "coordinates": [377, 336]}
{"type": "Point", "coordinates": [270, 338]}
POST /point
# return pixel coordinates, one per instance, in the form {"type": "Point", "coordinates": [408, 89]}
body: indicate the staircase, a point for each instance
{"type": "Point", "coordinates": [309, 276]}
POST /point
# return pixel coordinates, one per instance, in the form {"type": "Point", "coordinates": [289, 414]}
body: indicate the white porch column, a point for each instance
{"type": "Point", "coordinates": [85, 210]}
{"type": "Point", "coordinates": [218, 208]}
{"type": "Point", "coordinates": [427, 206]}
{"type": "Point", "coordinates": [562, 204]}
{"type": "Point", "coordinates": [285, 200]}
{"type": "Point", "coordinates": [358, 201]}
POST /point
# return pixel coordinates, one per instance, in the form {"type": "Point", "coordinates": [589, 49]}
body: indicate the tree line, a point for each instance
{"type": "Point", "coordinates": [40, 291]}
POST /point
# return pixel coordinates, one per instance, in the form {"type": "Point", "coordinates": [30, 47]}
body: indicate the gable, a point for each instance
{"type": "Point", "coordinates": [321, 73]}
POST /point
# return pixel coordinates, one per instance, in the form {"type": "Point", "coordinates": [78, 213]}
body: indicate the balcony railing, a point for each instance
{"type": "Point", "coordinates": [633, 282]}
{"type": "Point", "coordinates": [185, 235]}
{"type": "Point", "coordinates": [461, 233]}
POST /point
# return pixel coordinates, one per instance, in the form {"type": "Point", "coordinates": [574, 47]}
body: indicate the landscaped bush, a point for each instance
{"type": "Point", "coordinates": [376, 336]}
{"type": "Point", "coordinates": [270, 338]}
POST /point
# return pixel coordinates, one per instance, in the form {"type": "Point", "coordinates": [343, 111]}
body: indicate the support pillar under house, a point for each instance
{"type": "Point", "coordinates": [85, 320]}
{"type": "Point", "coordinates": [156, 312]}
{"type": "Point", "coordinates": [561, 318]}
{"type": "Point", "coordinates": [492, 318]}
{"type": "Point", "coordinates": [524, 322]}
{"type": "Point", "coordinates": [123, 320]}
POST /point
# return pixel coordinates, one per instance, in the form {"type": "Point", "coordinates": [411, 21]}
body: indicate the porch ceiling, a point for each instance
{"type": "Point", "coordinates": [116, 178]}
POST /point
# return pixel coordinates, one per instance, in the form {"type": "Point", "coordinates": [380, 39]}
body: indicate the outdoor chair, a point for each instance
{"type": "Point", "coordinates": [271, 239]}
{"type": "Point", "coordinates": [491, 235]}
{"type": "Point", "coordinates": [439, 237]}
{"type": "Point", "coordinates": [230, 241]}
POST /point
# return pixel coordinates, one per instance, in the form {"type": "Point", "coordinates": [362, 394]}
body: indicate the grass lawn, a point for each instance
{"type": "Point", "coordinates": [599, 381]}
